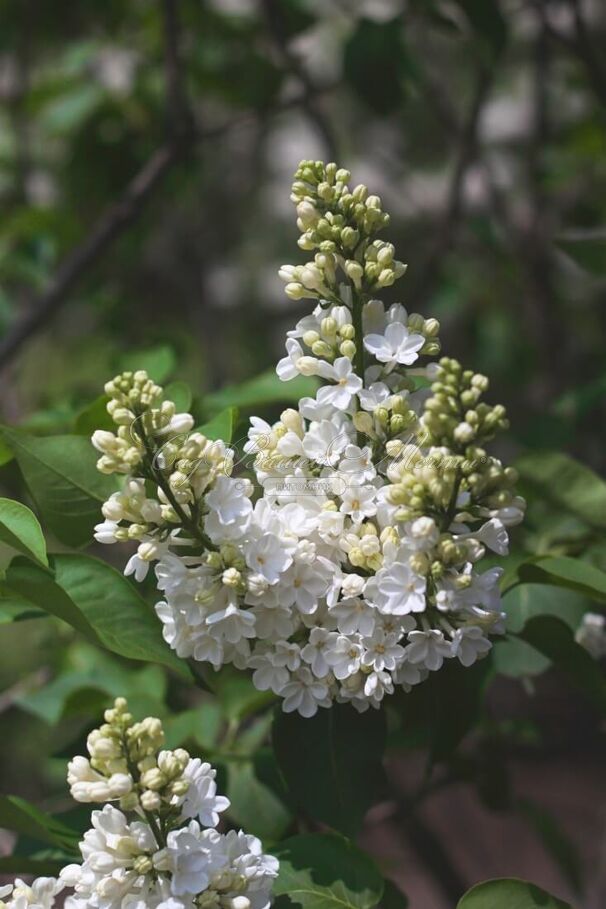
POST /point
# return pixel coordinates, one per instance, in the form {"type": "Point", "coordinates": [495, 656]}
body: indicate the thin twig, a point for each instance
{"type": "Point", "coordinates": [452, 210]}
{"type": "Point", "coordinates": [272, 10]}
{"type": "Point", "coordinates": [108, 228]}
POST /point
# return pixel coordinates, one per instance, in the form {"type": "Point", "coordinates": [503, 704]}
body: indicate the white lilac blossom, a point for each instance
{"type": "Point", "coordinates": [156, 846]}
{"type": "Point", "coordinates": [353, 564]}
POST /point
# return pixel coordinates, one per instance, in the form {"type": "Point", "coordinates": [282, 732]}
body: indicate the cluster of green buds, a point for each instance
{"type": "Point", "coordinates": [388, 421]}
{"type": "Point", "coordinates": [454, 415]}
{"type": "Point", "coordinates": [422, 483]}
{"type": "Point", "coordinates": [331, 340]}
{"type": "Point", "coordinates": [341, 224]}
{"type": "Point", "coordinates": [137, 408]}
{"type": "Point", "coordinates": [127, 763]}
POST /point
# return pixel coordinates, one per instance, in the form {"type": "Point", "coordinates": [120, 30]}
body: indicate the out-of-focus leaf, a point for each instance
{"type": "Point", "coordinates": [567, 483]}
{"type": "Point", "coordinates": [19, 816]}
{"type": "Point", "coordinates": [572, 574]}
{"type": "Point", "coordinates": [324, 871]}
{"type": "Point", "coordinates": [20, 529]}
{"type": "Point", "coordinates": [332, 762]}
{"type": "Point", "coordinates": [222, 426]}
{"type": "Point", "coordinates": [509, 893]}
{"type": "Point", "coordinates": [94, 416]}
{"type": "Point", "coordinates": [73, 693]}
{"type": "Point", "coordinates": [180, 394]}
{"type": "Point", "coordinates": [6, 453]}
{"type": "Point", "coordinates": [555, 841]}
{"type": "Point", "coordinates": [18, 864]}
{"type": "Point", "coordinates": [439, 713]}
{"type": "Point", "coordinates": [158, 362]}
{"type": "Point", "coordinates": [238, 696]}
{"type": "Point", "coordinates": [71, 108]}
{"type": "Point", "coordinates": [552, 638]}
{"type": "Point", "coordinates": [62, 477]}
{"type": "Point", "coordinates": [201, 725]}
{"type": "Point", "coordinates": [264, 389]}
{"type": "Point", "coordinates": [392, 898]}
{"type": "Point", "coordinates": [528, 600]}
{"type": "Point", "coordinates": [254, 806]}
{"type": "Point", "coordinates": [376, 62]}
{"type": "Point", "coordinates": [516, 659]}
{"type": "Point", "coordinates": [487, 21]}
{"type": "Point", "coordinates": [587, 248]}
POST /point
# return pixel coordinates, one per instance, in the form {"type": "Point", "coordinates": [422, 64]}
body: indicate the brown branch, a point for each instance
{"type": "Point", "coordinates": [581, 46]}
{"type": "Point", "coordinates": [452, 211]}
{"type": "Point", "coordinates": [108, 228]}
{"type": "Point", "coordinates": [272, 12]}
{"type": "Point", "coordinates": [178, 111]}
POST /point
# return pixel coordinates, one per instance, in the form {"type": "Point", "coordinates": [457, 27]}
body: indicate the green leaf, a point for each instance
{"type": "Point", "coordinates": [552, 638]}
{"type": "Point", "coordinates": [332, 762]}
{"type": "Point", "coordinates": [509, 893]}
{"type": "Point", "coordinates": [158, 362]}
{"type": "Point", "coordinates": [566, 483]}
{"type": "Point", "coordinates": [201, 725]}
{"type": "Point", "coordinates": [102, 678]}
{"type": "Point", "coordinates": [94, 416]}
{"type": "Point", "coordinates": [374, 64]}
{"type": "Point", "coordinates": [180, 394]}
{"type": "Point", "coordinates": [571, 574]}
{"type": "Point", "coordinates": [19, 816]}
{"type": "Point", "coordinates": [62, 477]}
{"type": "Point", "coordinates": [439, 713]}
{"type": "Point", "coordinates": [555, 841]}
{"type": "Point", "coordinates": [516, 659]}
{"type": "Point", "coordinates": [98, 601]}
{"type": "Point", "coordinates": [587, 248]}
{"type": "Point", "coordinates": [222, 426]}
{"type": "Point", "coordinates": [6, 453]}
{"type": "Point", "coordinates": [254, 806]}
{"type": "Point", "coordinates": [264, 389]}
{"type": "Point", "coordinates": [20, 528]}
{"type": "Point", "coordinates": [236, 693]}
{"type": "Point", "coordinates": [324, 871]}
{"type": "Point", "coordinates": [392, 898]}
{"type": "Point", "coordinates": [525, 601]}
{"type": "Point", "coordinates": [21, 864]}
{"type": "Point", "coordinates": [486, 19]}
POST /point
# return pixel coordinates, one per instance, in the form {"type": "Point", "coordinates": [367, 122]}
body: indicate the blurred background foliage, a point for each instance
{"type": "Point", "coordinates": [146, 154]}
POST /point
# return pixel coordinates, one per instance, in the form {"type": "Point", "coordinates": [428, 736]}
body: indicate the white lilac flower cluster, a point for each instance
{"type": "Point", "coordinates": [353, 564]}
{"type": "Point", "coordinates": [156, 846]}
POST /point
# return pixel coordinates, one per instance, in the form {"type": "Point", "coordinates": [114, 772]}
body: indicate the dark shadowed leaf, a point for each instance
{"type": "Point", "coordinates": [509, 894]}
{"type": "Point", "coordinates": [567, 483]}
{"type": "Point", "coordinates": [332, 762]}
{"type": "Point", "coordinates": [19, 816]}
{"type": "Point", "coordinates": [552, 638]}
{"type": "Point", "coordinates": [561, 848]}
{"type": "Point", "coordinates": [264, 389]}
{"type": "Point", "coordinates": [571, 574]}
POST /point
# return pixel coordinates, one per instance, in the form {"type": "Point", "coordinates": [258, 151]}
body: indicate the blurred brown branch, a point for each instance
{"type": "Point", "coordinates": [466, 153]}
{"type": "Point", "coordinates": [272, 12]}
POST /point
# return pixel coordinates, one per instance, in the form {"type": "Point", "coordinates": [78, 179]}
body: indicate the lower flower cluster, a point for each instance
{"type": "Point", "coordinates": [156, 847]}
